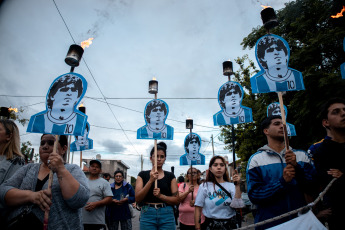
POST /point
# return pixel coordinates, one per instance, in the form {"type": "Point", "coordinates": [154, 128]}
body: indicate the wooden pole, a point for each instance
{"type": "Point", "coordinates": [156, 186]}
{"type": "Point", "coordinates": [68, 150]}
{"type": "Point", "coordinates": [282, 111]}
{"type": "Point", "coordinates": [81, 157]}
{"type": "Point", "coordinates": [50, 181]}
{"type": "Point", "coordinates": [155, 161]}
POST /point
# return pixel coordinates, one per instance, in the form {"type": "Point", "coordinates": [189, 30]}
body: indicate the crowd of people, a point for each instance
{"type": "Point", "coordinates": [279, 179]}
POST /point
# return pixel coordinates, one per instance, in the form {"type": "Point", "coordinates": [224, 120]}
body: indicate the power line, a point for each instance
{"type": "Point", "coordinates": [119, 106]}
{"type": "Point", "coordinates": [87, 66]}
{"type": "Point", "coordinates": [133, 98]}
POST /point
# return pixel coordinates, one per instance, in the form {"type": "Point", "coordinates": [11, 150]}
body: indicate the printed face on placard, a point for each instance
{"type": "Point", "coordinates": [65, 98]}
{"type": "Point", "coordinates": [61, 116]}
{"type": "Point", "coordinates": [192, 144]}
{"type": "Point", "coordinates": [230, 97]}
{"type": "Point", "coordinates": [274, 109]}
{"type": "Point", "coordinates": [156, 112]}
{"type": "Point", "coordinates": [82, 142]}
{"type": "Point", "coordinates": [272, 53]}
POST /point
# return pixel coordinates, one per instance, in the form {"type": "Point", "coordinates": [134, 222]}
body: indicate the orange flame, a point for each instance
{"type": "Point", "coordinates": [266, 6]}
{"type": "Point", "coordinates": [13, 109]}
{"type": "Point", "coordinates": [86, 43]}
{"type": "Point", "coordinates": [81, 105]}
{"type": "Point", "coordinates": [154, 78]}
{"type": "Point", "coordinates": [338, 15]}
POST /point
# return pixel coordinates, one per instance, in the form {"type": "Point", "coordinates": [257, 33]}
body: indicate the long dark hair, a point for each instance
{"type": "Point", "coordinates": [210, 176]}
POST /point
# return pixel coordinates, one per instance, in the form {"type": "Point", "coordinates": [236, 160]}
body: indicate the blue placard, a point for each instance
{"type": "Point", "coordinates": [192, 144]}
{"type": "Point", "coordinates": [230, 96]}
{"type": "Point", "coordinates": [156, 113]}
{"type": "Point", "coordinates": [82, 142]}
{"type": "Point", "coordinates": [61, 116]}
{"type": "Point", "coordinates": [272, 54]}
{"type": "Point", "coordinates": [274, 109]}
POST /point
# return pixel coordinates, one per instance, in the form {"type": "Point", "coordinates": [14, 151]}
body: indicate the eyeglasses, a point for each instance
{"type": "Point", "coordinates": [193, 173]}
{"type": "Point", "coordinates": [270, 50]}
{"type": "Point", "coordinates": [49, 142]}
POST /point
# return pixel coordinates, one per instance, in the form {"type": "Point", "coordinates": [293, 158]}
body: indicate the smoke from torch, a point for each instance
{"type": "Point", "coordinates": [338, 15]}
{"type": "Point", "coordinates": [86, 43]}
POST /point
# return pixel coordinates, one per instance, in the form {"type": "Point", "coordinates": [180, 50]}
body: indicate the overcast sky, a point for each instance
{"type": "Point", "coordinates": [181, 43]}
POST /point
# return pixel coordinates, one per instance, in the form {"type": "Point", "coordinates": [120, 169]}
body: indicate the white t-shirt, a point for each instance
{"type": "Point", "coordinates": [214, 201]}
{"type": "Point", "coordinates": [99, 189]}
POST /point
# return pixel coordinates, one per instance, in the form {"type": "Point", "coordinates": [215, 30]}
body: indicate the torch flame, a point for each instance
{"type": "Point", "coordinates": [86, 43]}
{"type": "Point", "coordinates": [338, 15]}
{"type": "Point", "coordinates": [266, 6]}
{"type": "Point", "coordinates": [154, 78]}
{"type": "Point", "coordinates": [81, 105]}
{"type": "Point", "coordinates": [13, 109]}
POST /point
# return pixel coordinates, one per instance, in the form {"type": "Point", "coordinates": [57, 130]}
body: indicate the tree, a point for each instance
{"type": "Point", "coordinates": [133, 181]}
{"type": "Point", "coordinates": [316, 43]}
{"type": "Point", "coordinates": [17, 116]}
{"type": "Point", "coordinates": [28, 152]}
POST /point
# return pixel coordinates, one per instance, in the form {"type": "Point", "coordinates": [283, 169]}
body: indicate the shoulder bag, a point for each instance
{"type": "Point", "coordinates": [235, 221]}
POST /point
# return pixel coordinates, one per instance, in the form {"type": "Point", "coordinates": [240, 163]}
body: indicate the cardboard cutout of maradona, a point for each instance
{"type": "Point", "coordinates": [272, 54]}
{"type": "Point", "coordinates": [230, 97]}
{"type": "Point", "coordinates": [61, 116]}
{"type": "Point", "coordinates": [156, 112]}
{"type": "Point", "coordinates": [82, 142]}
{"type": "Point", "coordinates": [274, 109]}
{"type": "Point", "coordinates": [192, 144]}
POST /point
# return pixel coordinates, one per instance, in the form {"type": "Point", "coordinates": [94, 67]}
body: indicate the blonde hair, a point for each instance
{"type": "Point", "coordinates": [11, 148]}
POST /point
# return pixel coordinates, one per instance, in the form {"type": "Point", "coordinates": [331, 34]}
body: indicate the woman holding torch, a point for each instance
{"type": "Point", "coordinates": [188, 192]}
{"type": "Point", "coordinates": [157, 203]}
{"type": "Point", "coordinates": [27, 190]}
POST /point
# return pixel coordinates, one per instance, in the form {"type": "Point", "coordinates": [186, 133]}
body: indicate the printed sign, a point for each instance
{"type": "Point", "coordinates": [82, 142]}
{"type": "Point", "coordinates": [272, 54]}
{"type": "Point", "coordinates": [61, 116]}
{"type": "Point", "coordinates": [156, 112]}
{"type": "Point", "coordinates": [192, 144]}
{"type": "Point", "coordinates": [230, 97]}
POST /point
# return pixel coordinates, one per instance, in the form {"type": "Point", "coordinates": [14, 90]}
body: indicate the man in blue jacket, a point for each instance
{"type": "Point", "coordinates": [277, 179]}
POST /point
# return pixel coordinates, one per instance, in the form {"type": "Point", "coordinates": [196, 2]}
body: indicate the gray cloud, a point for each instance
{"type": "Point", "coordinates": [112, 146]}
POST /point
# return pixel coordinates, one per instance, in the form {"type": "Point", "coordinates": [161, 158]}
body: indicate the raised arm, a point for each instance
{"type": "Point", "coordinates": [183, 195]}
{"type": "Point", "coordinates": [141, 190]}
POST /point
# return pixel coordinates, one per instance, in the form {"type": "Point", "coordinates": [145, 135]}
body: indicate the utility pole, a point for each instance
{"type": "Point", "coordinates": [212, 144]}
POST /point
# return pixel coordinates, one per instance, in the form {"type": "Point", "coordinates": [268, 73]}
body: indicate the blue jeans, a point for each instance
{"type": "Point", "coordinates": [157, 219]}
